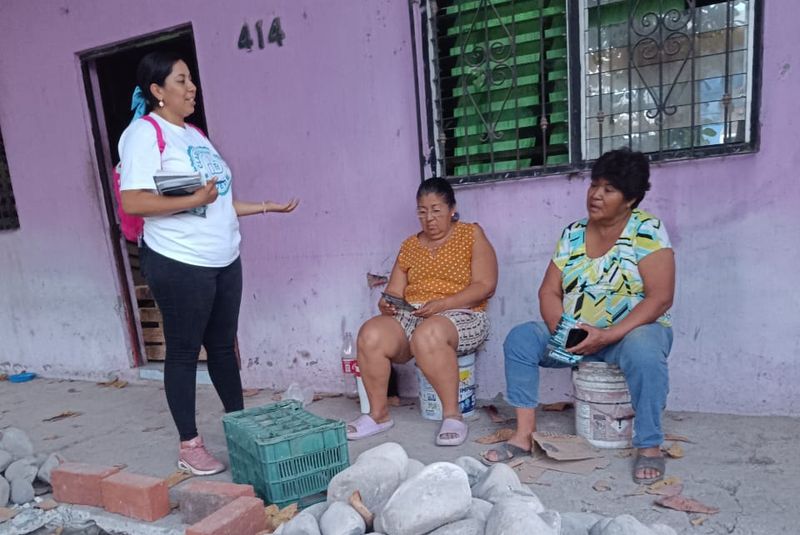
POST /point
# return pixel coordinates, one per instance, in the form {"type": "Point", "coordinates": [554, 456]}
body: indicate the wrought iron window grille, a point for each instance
{"type": "Point", "coordinates": [521, 88]}
{"type": "Point", "coordinates": [8, 209]}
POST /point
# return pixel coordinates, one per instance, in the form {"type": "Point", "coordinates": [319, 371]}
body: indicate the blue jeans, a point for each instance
{"type": "Point", "coordinates": [641, 355]}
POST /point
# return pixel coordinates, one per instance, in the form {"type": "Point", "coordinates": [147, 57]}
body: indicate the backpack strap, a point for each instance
{"type": "Point", "coordinates": [159, 135]}
{"type": "Point", "coordinates": [198, 129]}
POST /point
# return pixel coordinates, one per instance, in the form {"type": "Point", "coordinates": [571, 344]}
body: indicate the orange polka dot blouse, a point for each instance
{"type": "Point", "coordinates": [434, 275]}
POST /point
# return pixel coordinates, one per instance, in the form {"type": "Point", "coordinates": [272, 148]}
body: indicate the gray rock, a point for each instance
{"type": "Point", "coordinates": [517, 515]}
{"type": "Point", "coordinates": [17, 443]}
{"type": "Point", "coordinates": [302, 524]}
{"type": "Point", "coordinates": [498, 482]}
{"type": "Point", "coordinates": [21, 491]}
{"type": "Point", "coordinates": [620, 525]}
{"type": "Point", "coordinates": [341, 519]}
{"type": "Point", "coordinates": [414, 468]}
{"type": "Point", "coordinates": [552, 519]}
{"type": "Point", "coordinates": [5, 460]}
{"type": "Point", "coordinates": [5, 491]}
{"type": "Point", "coordinates": [435, 497]}
{"type": "Point", "coordinates": [375, 478]}
{"type": "Point", "coordinates": [53, 460]}
{"type": "Point", "coordinates": [578, 523]}
{"type": "Point", "coordinates": [388, 451]}
{"type": "Point", "coordinates": [315, 510]}
{"type": "Point", "coordinates": [22, 469]}
{"type": "Point", "coordinates": [480, 510]}
{"type": "Point", "coordinates": [473, 467]}
{"type": "Point", "coordinates": [662, 529]}
{"type": "Point", "coordinates": [468, 526]}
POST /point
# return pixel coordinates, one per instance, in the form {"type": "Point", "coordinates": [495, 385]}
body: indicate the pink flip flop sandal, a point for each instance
{"type": "Point", "coordinates": [365, 427]}
{"type": "Point", "coordinates": [451, 426]}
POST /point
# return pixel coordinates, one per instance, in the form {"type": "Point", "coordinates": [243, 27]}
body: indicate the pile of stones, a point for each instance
{"type": "Point", "coordinates": [25, 474]}
{"type": "Point", "coordinates": [386, 492]}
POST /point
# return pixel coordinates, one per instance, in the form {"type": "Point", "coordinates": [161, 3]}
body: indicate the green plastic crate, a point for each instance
{"type": "Point", "coordinates": [288, 454]}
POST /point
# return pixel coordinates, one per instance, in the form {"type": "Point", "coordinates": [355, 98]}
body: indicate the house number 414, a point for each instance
{"type": "Point", "coordinates": [275, 35]}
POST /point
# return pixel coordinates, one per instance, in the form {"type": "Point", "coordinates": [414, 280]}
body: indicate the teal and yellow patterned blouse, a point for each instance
{"type": "Point", "coordinates": [601, 291]}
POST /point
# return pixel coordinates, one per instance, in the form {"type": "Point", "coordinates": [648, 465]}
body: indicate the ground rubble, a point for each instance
{"type": "Point", "coordinates": [386, 492]}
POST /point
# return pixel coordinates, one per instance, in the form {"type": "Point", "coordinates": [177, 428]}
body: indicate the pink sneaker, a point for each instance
{"type": "Point", "coordinates": [194, 458]}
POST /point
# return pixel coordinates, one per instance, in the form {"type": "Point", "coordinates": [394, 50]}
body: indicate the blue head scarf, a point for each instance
{"type": "Point", "coordinates": [138, 103]}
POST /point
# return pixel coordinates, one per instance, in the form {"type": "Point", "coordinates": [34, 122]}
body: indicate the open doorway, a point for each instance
{"type": "Point", "coordinates": [109, 75]}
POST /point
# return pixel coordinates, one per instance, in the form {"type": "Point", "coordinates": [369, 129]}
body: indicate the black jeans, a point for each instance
{"type": "Point", "coordinates": [200, 306]}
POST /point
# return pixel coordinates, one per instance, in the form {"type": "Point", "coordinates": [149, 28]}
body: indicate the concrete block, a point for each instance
{"type": "Point", "coordinates": [136, 496]}
{"type": "Point", "coordinates": [198, 499]}
{"type": "Point", "coordinates": [79, 483]}
{"type": "Point", "coordinates": [243, 516]}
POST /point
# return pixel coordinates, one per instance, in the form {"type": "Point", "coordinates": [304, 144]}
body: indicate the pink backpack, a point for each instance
{"type": "Point", "coordinates": [133, 225]}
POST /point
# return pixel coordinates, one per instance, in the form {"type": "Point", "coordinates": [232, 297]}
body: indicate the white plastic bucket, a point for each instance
{"type": "Point", "coordinates": [429, 404]}
{"type": "Point", "coordinates": [603, 411]}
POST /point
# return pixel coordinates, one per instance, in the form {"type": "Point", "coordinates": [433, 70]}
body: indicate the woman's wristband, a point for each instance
{"type": "Point", "coordinates": [263, 207]}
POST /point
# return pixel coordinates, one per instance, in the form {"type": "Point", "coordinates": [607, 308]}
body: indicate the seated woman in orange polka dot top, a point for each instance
{"type": "Point", "coordinates": [447, 272]}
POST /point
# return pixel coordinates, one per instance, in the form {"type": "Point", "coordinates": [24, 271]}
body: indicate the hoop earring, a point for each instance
{"type": "Point", "coordinates": [160, 103]}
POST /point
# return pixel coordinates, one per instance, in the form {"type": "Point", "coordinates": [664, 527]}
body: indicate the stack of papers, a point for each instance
{"type": "Point", "coordinates": [172, 184]}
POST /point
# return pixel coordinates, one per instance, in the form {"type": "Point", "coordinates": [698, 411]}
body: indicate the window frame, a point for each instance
{"type": "Point", "coordinates": [430, 144]}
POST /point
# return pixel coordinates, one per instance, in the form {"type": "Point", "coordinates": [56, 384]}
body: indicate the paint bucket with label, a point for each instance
{"type": "Point", "coordinates": [603, 411]}
{"type": "Point", "coordinates": [429, 404]}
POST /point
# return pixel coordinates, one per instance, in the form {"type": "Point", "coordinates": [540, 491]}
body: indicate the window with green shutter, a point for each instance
{"type": "Point", "coordinates": [502, 99]}
{"type": "Point", "coordinates": [8, 209]}
{"type": "Point", "coordinates": [526, 87]}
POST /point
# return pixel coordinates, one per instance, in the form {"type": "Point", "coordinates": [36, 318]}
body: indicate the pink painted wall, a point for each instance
{"type": "Point", "coordinates": [330, 117]}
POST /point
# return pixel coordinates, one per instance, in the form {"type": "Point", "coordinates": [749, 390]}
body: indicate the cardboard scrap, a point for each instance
{"type": "Point", "coordinates": [46, 505]}
{"type": "Point", "coordinates": [698, 521]}
{"type": "Point", "coordinates": [527, 471]}
{"type": "Point", "coordinates": [495, 415]}
{"type": "Point", "coordinates": [6, 513]}
{"type": "Point", "coordinates": [677, 438]}
{"type": "Point", "coordinates": [565, 447]}
{"type": "Point", "coordinates": [666, 482]}
{"type": "Point", "coordinates": [558, 407]}
{"type": "Point", "coordinates": [501, 435]}
{"type": "Point", "coordinates": [65, 414]}
{"type": "Point", "coordinates": [675, 450]}
{"type": "Point", "coordinates": [688, 505]}
{"type": "Point", "coordinates": [115, 382]}
{"type": "Point", "coordinates": [601, 485]}
{"type": "Point", "coordinates": [581, 467]}
{"type": "Point", "coordinates": [176, 477]}
{"type": "Point", "coordinates": [276, 516]}
{"type": "Point", "coordinates": [670, 486]}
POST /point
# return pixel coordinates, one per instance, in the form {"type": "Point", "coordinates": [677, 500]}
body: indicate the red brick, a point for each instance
{"type": "Point", "coordinates": [243, 516]}
{"type": "Point", "coordinates": [136, 496]}
{"type": "Point", "coordinates": [79, 483]}
{"type": "Point", "coordinates": [197, 499]}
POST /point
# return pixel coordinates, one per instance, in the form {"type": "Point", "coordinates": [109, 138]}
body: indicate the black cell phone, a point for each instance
{"type": "Point", "coordinates": [397, 302]}
{"type": "Point", "coordinates": [575, 337]}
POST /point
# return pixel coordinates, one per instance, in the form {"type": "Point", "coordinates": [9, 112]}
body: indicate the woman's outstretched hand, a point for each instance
{"type": "Point", "coordinates": [270, 206]}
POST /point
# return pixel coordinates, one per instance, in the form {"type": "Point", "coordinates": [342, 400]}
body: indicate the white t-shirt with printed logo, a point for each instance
{"type": "Point", "coordinates": [211, 241]}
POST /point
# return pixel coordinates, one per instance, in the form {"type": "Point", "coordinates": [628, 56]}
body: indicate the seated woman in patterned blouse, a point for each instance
{"type": "Point", "coordinates": [614, 272]}
{"type": "Point", "coordinates": [446, 272]}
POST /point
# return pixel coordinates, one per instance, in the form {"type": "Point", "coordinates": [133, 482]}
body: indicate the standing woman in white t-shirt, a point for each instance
{"type": "Point", "coordinates": [191, 262]}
